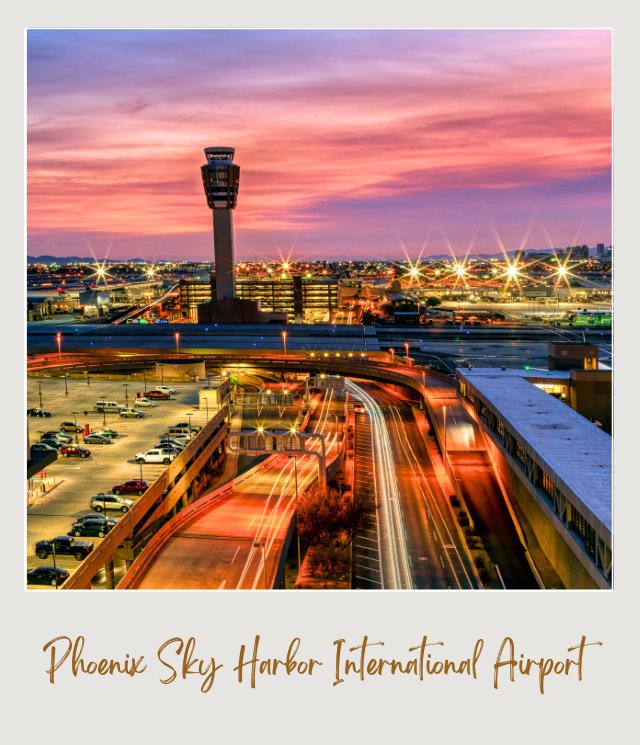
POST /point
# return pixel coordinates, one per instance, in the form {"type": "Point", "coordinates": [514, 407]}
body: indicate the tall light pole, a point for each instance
{"type": "Point", "coordinates": [66, 389]}
{"type": "Point", "coordinates": [40, 393]}
{"type": "Point", "coordinates": [144, 377]}
{"type": "Point", "coordinates": [140, 464]}
{"type": "Point", "coordinates": [59, 341]}
{"type": "Point", "coordinates": [260, 544]}
{"type": "Point", "coordinates": [55, 566]}
{"type": "Point", "coordinates": [161, 366]}
{"type": "Point", "coordinates": [406, 350]}
{"type": "Point", "coordinates": [88, 380]}
{"type": "Point", "coordinates": [284, 342]}
{"type": "Point", "coordinates": [126, 394]}
{"type": "Point", "coordinates": [295, 471]}
{"type": "Point", "coordinates": [75, 422]}
{"type": "Point", "coordinates": [189, 415]}
{"type": "Point", "coordinates": [444, 420]}
{"type": "Point", "coordinates": [177, 335]}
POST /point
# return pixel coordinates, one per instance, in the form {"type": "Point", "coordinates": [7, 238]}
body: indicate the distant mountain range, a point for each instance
{"type": "Point", "coordinates": [47, 259]}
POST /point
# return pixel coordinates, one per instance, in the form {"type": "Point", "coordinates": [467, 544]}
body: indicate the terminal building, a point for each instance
{"type": "Point", "coordinates": [555, 465]}
{"type": "Point", "coordinates": [294, 299]}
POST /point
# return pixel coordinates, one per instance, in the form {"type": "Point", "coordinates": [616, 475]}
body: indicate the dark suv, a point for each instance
{"type": "Point", "coordinates": [93, 527]}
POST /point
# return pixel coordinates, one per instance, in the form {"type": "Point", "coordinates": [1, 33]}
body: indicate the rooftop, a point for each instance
{"type": "Point", "coordinates": [578, 453]}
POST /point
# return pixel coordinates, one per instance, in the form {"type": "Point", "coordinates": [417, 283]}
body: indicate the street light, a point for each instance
{"type": "Point", "coordinates": [284, 342]}
{"type": "Point", "coordinates": [260, 544]}
{"type": "Point", "coordinates": [161, 366]}
{"type": "Point", "coordinates": [59, 340]}
{"type": "Point", "coordinates": [66, 389]}
{"type": "Point", "coordinates": [444, 420]}
{"type": "Point", "coordinates": [406, 350]}
{"type": "Point", "coordinates": [177, 335]}
{"type": "Point", "coordinates": [75, 422]}
{"type": "Point", "coordinates": [295, 471]}
{"type": "Point", "coordinates": [88, 380]}
{"type": "Point", "coordinates": [55, 566]}
{"type": "Point", "coordinates": [126, 394]}
{"type": "Point", "coordinates": [189, 415]}
{"type": "Point", "coordinates": [40, 393]}
{"type": "Point", "coordinates": [140, 464]}
{"type": "Point", "coordinates": [144, 376]}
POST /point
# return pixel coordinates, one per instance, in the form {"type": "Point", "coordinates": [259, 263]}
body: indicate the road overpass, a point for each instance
{"type": "Point", "coordinates": [424, 384]}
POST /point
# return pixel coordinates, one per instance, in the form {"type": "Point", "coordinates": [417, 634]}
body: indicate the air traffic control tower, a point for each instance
{"type": "Point", "coordinates": [220, 178]}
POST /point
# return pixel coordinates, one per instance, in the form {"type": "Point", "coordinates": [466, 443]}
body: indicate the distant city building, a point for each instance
{"type": "Point", "coordinates": [600, 250]}
{"type": "Point", "coordinates": [577, 253]}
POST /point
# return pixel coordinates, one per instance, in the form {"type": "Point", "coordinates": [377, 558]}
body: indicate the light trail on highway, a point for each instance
{"type": "Point", "coordinates": [396, 562]}
{"type": "Point", "coordinates": [438, 522]}
{"type": "Point", "coordinates": [284, 484]}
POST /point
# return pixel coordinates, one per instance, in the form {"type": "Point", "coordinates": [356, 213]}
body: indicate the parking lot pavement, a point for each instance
{"type": "Point", "coordinates": [78, 479]}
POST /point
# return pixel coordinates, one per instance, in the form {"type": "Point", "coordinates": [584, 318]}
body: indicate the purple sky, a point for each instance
{"type": "Point", "coordinates": [353, 144]}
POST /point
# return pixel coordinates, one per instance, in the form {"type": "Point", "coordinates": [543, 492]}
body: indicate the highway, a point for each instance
{"type": "Point", "coordinates": [438, 556]}
{"type": "Point", "coordinates": [237, 543]}
{"type": "Point", "coordinates": [395, 560]}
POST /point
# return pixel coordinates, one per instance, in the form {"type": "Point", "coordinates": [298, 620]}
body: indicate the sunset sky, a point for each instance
{"type": "Point", "coordinates": [353, 144]}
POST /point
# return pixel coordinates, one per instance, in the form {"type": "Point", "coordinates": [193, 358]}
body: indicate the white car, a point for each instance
{"type": "Point", "coordinates": [155, 455]}
{"type": "Point", "coordinates": [165, 389]}
{"type": "Point", "coordinates": [145, 402]}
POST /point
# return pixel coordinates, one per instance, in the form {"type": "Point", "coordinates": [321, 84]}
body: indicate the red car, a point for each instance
{"type": "Point", "coordinates": [67, 451]}
{"type": "Point", "coordinates": [157, 395]}
{"type": "Point", "coordinates": [135, 486]}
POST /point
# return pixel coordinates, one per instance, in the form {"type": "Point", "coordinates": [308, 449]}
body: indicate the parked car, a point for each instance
{"type": "Point", "coordinates": [160, 395]}
{"type": "Point", "coordinates": [96, 439]}
{"type": "Point", "coordinates": [177, 432]}
{"type": "Point", "coordinates": [184, 438]}
{"type": "Point", "coordinates": [169, 449]}
{"type": "Point", "coordinates": [133, 486]}
{"type": "Point", "coordinates": [109, 406]}
{"type": "Point", "coordinates": [155, 456]}
{"type": "Point", "coordinates": [131, 413]}
{"type": "Point", "coordinates": [98, 528]}
{"type": "Point", "coordinates": [165, 389]}
{"type": "Point", "coordinates": [74, 451]}
{"type": "Point", "coordinates": [38, 412]}
{"type": "Point", "coordinates": [54, 434]}
{"type": "Point", "coordinates": [187, 426]}
{"type": "Point", "coordinates": [70, 427]}
{"type": "Point", "coordinates": [53, 442]}
{"type": "Point", "coordinates": [106, 431]}
{"type": "Point", "coordinates": [63, 545]}
{"type": "Point", "coordinates": [171, 442]}
{"type": "Point", "coordinates": [146, 402]}
{"type": "Point", "coordinates": [104, 501]}
{"type": "Point", "coordinates": [95, 516]}
{"type": "Point", "coordinates": [46, 575]}
{"type": "Point", "coordinates": [39, 448]}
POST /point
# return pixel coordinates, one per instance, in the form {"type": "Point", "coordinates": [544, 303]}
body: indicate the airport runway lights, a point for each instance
{"type": "Point", "coordinates": [220, 178]}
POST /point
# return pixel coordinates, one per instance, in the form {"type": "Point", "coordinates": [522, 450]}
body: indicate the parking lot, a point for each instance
{"type": "Point", "coordinates": [71, 482]}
